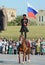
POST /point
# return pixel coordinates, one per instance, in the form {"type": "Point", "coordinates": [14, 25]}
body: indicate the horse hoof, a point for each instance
{"type": "Point", "coordinates": [22, 62]}
{"type": "Point", "coordinates": [28, 60]}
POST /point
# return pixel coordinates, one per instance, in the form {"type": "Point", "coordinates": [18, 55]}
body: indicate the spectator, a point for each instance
{"type": "Point", "coordinates": [38, 46]}
{"type": "Point", "coordinates": [33, 47]}
{"type": "Point", "coordinates": [10, 49]}
{"type": "Point", "coordinates": [3, 48]}
{"type": "Point", "coordinates": [15, 49]}
{"type": "Point", "coordinates": [10, 46]}
{"type": "Point", "coordinates": [6, 47]}
{"type": "Point", "coordinates": [0, 45]}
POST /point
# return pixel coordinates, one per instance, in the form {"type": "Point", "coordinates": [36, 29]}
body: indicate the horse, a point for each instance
{"type": "Point", "coordinates": [24, 48]}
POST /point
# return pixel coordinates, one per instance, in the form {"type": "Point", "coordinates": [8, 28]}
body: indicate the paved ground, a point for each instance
{"type": "Point", "coordinates": [13, 60]}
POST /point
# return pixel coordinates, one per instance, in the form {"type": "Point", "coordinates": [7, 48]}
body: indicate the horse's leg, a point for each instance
{"type": "Point", "coordinates": [19, 57]}
{"type": "Point", "coordinates": [28, 56]}
{"type": "Point", "coordinates": [24, 55]}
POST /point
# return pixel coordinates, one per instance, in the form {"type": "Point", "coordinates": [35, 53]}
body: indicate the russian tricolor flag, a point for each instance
{"type": "Point", "coordinates": [31, 11]}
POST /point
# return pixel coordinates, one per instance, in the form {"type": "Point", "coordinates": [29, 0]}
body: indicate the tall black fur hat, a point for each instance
{"type": "Point", "coordinates": [24, 14]}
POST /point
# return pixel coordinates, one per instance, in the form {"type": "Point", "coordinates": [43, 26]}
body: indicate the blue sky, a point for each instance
{"type": "Point", "coordinates": [21, 5]}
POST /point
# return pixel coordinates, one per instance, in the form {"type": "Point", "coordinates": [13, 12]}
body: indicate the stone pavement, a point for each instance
{"type": "Point", "coordinates": [13, 60]}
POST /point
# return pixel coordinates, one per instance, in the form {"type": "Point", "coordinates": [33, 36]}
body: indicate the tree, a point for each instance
{"type": "Point", "coordinates": [18, 19]}
{"type": "Point", "coordinates": [32, 21]}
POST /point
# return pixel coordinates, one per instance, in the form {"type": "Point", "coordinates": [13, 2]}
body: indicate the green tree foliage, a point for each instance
{"type": "Point", "coordinates": [32, 22]}
{"type": "Point", "coordinates": [18, 19]}
{"type": "Point", "coordinates": [15, 22]}
{"type": "Point", "coordinates": [11, 23]}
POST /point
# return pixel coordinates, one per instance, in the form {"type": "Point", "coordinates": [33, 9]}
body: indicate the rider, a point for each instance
{"type": "Point", "coordinates": [24, 23]}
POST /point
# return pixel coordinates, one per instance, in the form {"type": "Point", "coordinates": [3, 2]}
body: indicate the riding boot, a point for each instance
{"type": "Point", "coordinates": [25, 35]}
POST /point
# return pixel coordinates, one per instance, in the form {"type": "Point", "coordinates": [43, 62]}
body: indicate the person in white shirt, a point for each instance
{"type": "Point", "coordinates": [0, 45]}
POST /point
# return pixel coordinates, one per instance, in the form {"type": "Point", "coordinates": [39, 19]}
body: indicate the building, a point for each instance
{"type": "Point", "coordinates": [40, 17]}
{"type": "Point", "coordinates": [6, 15]}
{"type": "Point", "coordinates": [11, 14]}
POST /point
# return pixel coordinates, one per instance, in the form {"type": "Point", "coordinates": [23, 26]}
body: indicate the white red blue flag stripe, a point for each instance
{"type": "Point", "coordinates": [31, 11]}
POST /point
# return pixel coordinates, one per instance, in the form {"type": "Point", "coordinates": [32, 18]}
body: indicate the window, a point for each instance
{"type": "Point", "coordinates": [12, 14]}
{"type": "Point", "coordinates": [42, 18]}
{"type": "Point", "coordinates": [39, 18]}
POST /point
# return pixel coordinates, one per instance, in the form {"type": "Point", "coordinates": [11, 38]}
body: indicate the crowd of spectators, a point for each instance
{"type": "Point", "coordinates": [11, 46]}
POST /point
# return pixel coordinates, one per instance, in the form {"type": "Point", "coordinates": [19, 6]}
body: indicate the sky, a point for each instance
{"type": "Point", "coordinates": [21, 5]}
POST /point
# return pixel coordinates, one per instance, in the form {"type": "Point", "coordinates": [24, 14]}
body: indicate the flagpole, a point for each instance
{"type": "Point", "coordinates": [27, 12]}
{"type": "Point", "coordinates": [26, 4]}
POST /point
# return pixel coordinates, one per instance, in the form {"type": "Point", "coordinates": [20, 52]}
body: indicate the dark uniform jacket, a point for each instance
{"type": "Point", "coordinates": [24, 27]}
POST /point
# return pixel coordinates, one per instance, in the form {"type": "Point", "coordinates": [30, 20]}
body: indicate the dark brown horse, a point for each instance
{"type": "Point", "coordinates": [24, 49]}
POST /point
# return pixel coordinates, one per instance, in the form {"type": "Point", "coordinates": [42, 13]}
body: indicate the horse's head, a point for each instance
{"type": "Point", "coordinates": [21, 37]}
